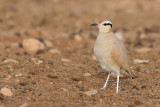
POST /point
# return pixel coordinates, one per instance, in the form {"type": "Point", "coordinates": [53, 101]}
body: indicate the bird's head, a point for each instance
{"type": "Point", "coordinates": [104, 26]}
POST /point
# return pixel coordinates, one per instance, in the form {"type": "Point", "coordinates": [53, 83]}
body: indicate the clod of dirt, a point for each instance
{"type": "Point", "coordinates": [1, 97]}
{"type": "Point", "coordinates": [137, 69]}
{"type": "Point", "coordinates": [139, 61]}
{"type": "Point", "coordinates": [135, 87]}
{"type": "Point", "coordinates": [54, 51]}
{"type": "Point", "coordinates": [131, 105]}
{"type": "Point", "coordinates": [23, 83]}
{"type": "Point", "coordinates": [77, 38]}
{"type": "Point", "coordinates": [91, 92]}
{"type": "Point", "coordinates": [10, 61]}
{"type": "Point", "coordinates": [6, 91]}
{"type": "Point", "coordinates": [32, 45]}
{"type": "Point", "coordinates": [143, 86]}
{"type": "Point", "coordinates": [143, 50]}
{"type": "Point", "coordinates": [136, 102]}
{"type": "Point", "coordinates": [76, 78]}
{"type": "Point", "coordinates": [87, 75]}
{"type": "Point", "coordinates": [52, 76]}
{"type": "Point", "coordinates": [48, 43]}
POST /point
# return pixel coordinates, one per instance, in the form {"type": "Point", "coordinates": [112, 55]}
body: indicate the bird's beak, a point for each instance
{"type": "Point", "coordinates": [95, 24]}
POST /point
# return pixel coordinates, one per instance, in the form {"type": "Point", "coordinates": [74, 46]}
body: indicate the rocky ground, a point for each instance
{"type": "Point", "coordinates": [46, 53]}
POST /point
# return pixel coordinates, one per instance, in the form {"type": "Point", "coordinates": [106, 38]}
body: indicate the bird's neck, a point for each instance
{"type": "Point", "coordinates": [105, 31]}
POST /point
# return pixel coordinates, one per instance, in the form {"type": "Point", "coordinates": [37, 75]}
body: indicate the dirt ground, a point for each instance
{"type": "Point", "coordinates": [57, 79]}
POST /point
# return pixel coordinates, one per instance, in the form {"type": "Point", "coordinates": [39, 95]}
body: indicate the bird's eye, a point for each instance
{"type": "Point", "coordinates": [105, 24]}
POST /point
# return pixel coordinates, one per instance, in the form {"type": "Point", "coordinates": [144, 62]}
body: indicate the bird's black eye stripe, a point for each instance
{"type": "Point", "coordinates": [105, 24]}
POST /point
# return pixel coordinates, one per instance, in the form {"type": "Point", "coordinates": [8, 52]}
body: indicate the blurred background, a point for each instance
{"type": "Point", "coordinates": [49, 44]}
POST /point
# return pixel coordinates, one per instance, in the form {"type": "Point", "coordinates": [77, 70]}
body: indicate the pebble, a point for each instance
{"type": "Point", "coordinates": [65, 60]}
{"type": "Point", "coordinates": [32, 45]}
{"type": "Point", "coordinates": [39, 62]}
{"type": "Point", "coordinates": [18, 75]}
{"type": "Point", "coordinates": [94, 57]}
{"type": "Point", "coordinates": [24, 105]}
{"type": "Point", "coordinates": [140, 61]}
{"type": "Point", "coordinates": [87, 75]}
{"type": "Point", "coordinates": [78, 38]}
{"type": "Point", "coordinates": [10, 61]}
{"type": "Point", "coordinates": [54, 51]}
{"type": "Point", "coordinates": [143, 50]}
{"type": "Point", "coordinates": [6, 91]}
{"type": "Point", "coordinates": [48, 43]}
{"type": "Point", "coordinates": [91, 92]}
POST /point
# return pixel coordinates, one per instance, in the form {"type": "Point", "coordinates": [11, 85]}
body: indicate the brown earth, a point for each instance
{"type": "Point", "coordinates": [47, 79]}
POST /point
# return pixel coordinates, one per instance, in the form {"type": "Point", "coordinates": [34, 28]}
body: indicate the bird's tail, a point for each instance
{"type": "Point", "coordinates": [126, 72]}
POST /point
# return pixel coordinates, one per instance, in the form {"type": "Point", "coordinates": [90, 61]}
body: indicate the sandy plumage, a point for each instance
{"type": "Point", "coordinates": [110, 52]}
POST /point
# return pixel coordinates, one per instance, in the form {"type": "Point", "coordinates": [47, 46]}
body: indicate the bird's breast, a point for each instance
{"type": "Point", "coordinates": [102, 49]}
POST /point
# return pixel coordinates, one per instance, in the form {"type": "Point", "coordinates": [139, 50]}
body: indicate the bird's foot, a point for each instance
{"type": "Point", "coordinates": [103, 88]}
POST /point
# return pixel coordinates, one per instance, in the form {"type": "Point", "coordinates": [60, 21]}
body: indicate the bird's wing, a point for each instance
{"type": "Point", "coordinates": [119, 54]}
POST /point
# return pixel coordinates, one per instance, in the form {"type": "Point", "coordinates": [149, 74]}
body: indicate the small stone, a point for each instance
{"type": "Point", "coordinates": [54, 51]}
{"type": "Point", "coordinates": [32, 45]}
{"type": "Point", "coordinates": [87, 75]}
{"type": "Point", "coordinates": [143, 50]}
{"type": "Point", "coordinates": [18, 75]}
{"type": "Point", "coordinates": [48, 43]}
{"type": "Point", "coordinates": [39, 62]}
{"type": "Point", "coordinates": [139, 61]}
{"type": "Point", "coordinates": [65, 60]}
{"type": "Point", "coordinates": [143, 36]}
{"type": "Point", "coordinates": [6, 91]}
{"type": "Point", "coordinates": [77, 38]}
{"type": "Point", "coordinates": [10, 61]}
{"type": "Point", "coordinates": [94, 57]}
{"type": "Point", "coordinates": [91, 92]}
{"type": "Point", "coordinates": [24, 105]}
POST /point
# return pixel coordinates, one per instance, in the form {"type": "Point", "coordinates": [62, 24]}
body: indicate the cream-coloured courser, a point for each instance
{"type": "Point", "coordinates": [110, 52]}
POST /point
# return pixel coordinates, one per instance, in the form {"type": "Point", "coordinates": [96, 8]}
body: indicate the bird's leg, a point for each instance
{"type": "Point", "coordinates": [117, 83]}
{"type": "Point", "coordinates": [105, 85]}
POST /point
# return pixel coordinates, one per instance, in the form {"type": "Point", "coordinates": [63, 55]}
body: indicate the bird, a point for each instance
{"type": "Point", "coordinates": [110, 52]}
